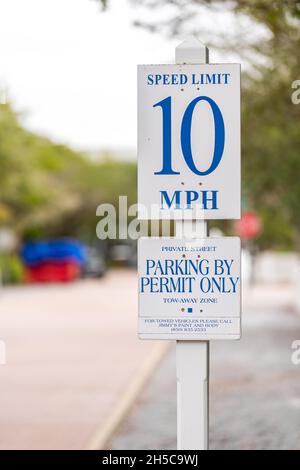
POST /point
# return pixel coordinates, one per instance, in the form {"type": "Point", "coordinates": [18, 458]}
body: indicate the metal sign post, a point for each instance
{"type": "Point", "coordinates": [189, 170]}
{"type": "Point", "coordinates": [192, 357]}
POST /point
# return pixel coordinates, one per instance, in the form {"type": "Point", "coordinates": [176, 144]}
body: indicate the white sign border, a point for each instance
{"type": "Point", "coordinates": [191, 336]}
{"type": "Point", "coordinates": [226, 213]}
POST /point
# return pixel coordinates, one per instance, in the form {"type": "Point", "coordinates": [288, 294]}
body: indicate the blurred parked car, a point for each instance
{"type": "Point", "coordinates": [124, 254]}
{"type": "Point", "coordinates": [95, 265]}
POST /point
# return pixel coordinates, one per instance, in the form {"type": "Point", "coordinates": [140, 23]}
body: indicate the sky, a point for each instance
{"type": "Point", "coordinates": [70, 69]}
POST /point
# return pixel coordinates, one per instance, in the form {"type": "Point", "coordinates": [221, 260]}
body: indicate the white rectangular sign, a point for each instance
{"type": "Point", "coordinates": [189, 141]}
{"type": "Point", "coordinates": [189, 289]}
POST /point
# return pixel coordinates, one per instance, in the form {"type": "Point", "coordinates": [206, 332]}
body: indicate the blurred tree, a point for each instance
{"type": "Point", "coordinates": [48, 189]}
{"type": "Point", "coordinates": [184, 16]}
{"type": "Point", "coordinates": [271, 123]}
{"type": "Point", "coordinates": [103, 3]}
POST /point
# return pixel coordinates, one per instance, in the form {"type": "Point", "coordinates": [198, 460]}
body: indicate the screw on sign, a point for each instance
{"type": "Point", "coordinates": [249, 226]}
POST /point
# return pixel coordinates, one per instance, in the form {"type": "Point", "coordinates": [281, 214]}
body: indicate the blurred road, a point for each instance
{"type": "Point", "coordinates": [72, 351]}
{"type": "Point", "coordinates": [255, 388]}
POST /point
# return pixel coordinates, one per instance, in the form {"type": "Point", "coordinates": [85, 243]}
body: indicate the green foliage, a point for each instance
{"type": "Point", "coordinates": [50, 190]}
{"type": "Point", "coordinates": [11, 269]}
{"type": "Point", "coordinates": [271, 127]}
{"type": "Point", "coordinates": [103, 3]}
{"type": "Point", "coordinates": [270, 122]}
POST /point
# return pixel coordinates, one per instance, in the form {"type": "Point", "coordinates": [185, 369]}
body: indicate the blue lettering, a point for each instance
{"type": "Point", "coordinates": [165, 199]}
{"type": "Point", "coordinates": [150, 80]}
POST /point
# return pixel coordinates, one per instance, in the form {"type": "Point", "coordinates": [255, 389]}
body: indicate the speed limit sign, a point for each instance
{"type": "Point", "coordinates": [189, 141]}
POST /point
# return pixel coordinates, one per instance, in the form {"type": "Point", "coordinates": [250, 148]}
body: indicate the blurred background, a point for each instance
{"type": "Point", "coordinates": [73, 374]}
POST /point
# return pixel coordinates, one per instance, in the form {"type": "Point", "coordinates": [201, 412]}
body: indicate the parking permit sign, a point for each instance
{"type": "Point", "coordinates": [189, 141]}
{"type": "Point", "coordinates": [189, 289]}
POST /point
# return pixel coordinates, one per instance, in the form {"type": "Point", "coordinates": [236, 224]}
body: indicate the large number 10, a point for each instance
{"type": "Point", "coordinates": [186, 125]}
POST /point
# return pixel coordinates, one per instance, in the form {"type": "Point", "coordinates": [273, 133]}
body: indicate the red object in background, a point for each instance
{"type": "Point", "coordinates": [249, 226]}
{"type": "Point", "coordinates": [52, 272]}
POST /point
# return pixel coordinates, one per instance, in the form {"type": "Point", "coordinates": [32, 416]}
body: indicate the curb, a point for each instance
{"type": "Point", "coordinates": [101, 437]}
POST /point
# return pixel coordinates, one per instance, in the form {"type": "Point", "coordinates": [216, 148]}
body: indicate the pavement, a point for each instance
{"type": "Point", "coordinates": [254, 385]}
{"type": "Point", "coordinates": [75, 366]}
{"type": "Point", "coordinates": [72, 355]}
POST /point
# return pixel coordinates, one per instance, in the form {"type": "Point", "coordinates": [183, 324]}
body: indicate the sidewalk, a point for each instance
{"type": "Point", "coordinates": [72, 357]}
{"type": "Point", "coordinates": [254, 387]}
